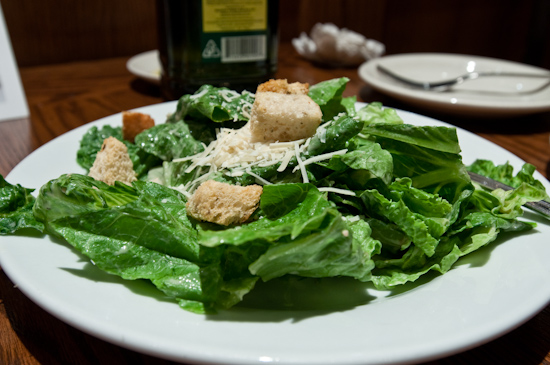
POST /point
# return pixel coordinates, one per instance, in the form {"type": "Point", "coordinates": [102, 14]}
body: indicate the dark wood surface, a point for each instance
{"type": "Point", "coordinates": [64, 96]}
{"type": "Point", "coordinates": [48, 31]}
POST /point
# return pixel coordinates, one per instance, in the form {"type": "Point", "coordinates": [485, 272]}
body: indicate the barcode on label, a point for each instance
{"type": "Point", "coordinates": [244, 48]}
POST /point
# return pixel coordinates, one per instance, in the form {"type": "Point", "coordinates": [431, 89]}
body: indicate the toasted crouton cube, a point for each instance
{"type": "Point", "coordinates": [113, 163]}
{"type": "Point", "coordinates": [283, 117]}
{"type": "Point", "coordinates": [222, 203]}
{"type": "Point", "coordinates": [133, 123]}
{"type": "Point", "coordinates": [283, 87]}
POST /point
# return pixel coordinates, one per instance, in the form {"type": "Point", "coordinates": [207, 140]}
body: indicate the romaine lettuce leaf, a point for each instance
{"type": "Point", "coordinates": [397, 212]}
{"type": "Point", "coordinates": [329, 250]}
{"type": "Point", "coordinates": [335, 136]}
{"type": "Point", "coordinates": [146, 214]}
{"type": "Point", "coordinates": [210, 108]}
{"type": "Point", "coordinates": [328, 95]}
{"type": "Point", "coordinates": [513, 200]}
{"type": "Point", "coordinates": [505, 173]}
{"type": "Point", "coordinates": [476, 221]}
{"type": "Point", "coordinates": [356, 168]}
{"type": "Point", "coordinates": [392, 238]}
{"type": "Point", "coordinates": [526, 187]}
{"type": "Point", "coordinates": [375, 113]}
{"type": "Point", "coordinates": [213, 104]}
{"type": "Point", "coordinates": [442, 139]}
{"type": "Point", "coordinates": [169, 141]}
{"type": "Point", "coordinates": [301, 233]}
{"type": "Point", "coordinates": [430, 156]}
{"type": "Point", "coordinates": [139, 232]}
{"type": "Point", "coordinates": [393, 272]}
{"type": "Point", "coordinates": [16, 204]}
{"type": "Point", "coordinates": [193, 286]}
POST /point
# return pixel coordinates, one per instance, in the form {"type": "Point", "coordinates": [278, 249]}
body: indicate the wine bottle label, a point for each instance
{"type": "Point", "coordinates": [234, 31]}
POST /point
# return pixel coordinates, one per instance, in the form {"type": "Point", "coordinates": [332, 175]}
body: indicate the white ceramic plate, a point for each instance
{"type": "Point", "coordinates": [486, 295]}
{"type": "Point", "coordinates": [484, 97]}
{"type": "Point", "coordinates": [145, 65]}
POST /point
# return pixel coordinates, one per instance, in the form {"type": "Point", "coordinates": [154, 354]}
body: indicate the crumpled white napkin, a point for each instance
{"type": "Point", "coordinates": [333, 46]}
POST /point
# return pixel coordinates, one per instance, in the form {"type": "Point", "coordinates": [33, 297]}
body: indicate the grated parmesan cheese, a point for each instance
{"type": "Point", "coordinates": [337, 191]}
{"type": "Point", "coordinates": [233, 153]}
{"type": "Point", "coordinates": [258, 178]}
{"type": "Point", "coordinates": [182, 190]}
{"type": "Point", "coordinates": [196, 96]}
{"type": "Point", "coordinates": [284, 162]}
{"type": "Point", "coordinates": [324, 156]}
{"type": "Point", "coordinates": [233, 150]}
{"type": "Point", "coordinates": [229, 95]}
{"type": "Point", "coordinates": [301, 165]}
{"type": "Point", "coordinates": [246, 108]}
{"type": "Point", "coordinates": [354, 218]}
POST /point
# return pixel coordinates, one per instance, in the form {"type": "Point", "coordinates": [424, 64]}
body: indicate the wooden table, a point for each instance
{"type": "Point", "coordinates": [63, 97]}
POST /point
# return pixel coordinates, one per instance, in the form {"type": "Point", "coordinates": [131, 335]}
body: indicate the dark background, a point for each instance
{"type": "Point", "coordinates": [59, 31]}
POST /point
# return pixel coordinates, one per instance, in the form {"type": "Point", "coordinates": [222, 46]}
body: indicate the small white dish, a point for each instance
{"type": "Point", "coordinates": [485, 295]}
{"type": "Point", "coordinates": [484, 97]}
{"type": "Point", "coordinates": [145, 65]}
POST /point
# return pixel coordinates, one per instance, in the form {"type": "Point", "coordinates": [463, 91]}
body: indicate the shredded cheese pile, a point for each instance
{"type": "Point", "coordinates": [234, 154]}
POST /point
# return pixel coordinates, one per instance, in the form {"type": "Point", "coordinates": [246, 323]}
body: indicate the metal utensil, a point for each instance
{"type": "Point", "coordinates": [447, 84]}
{"type": "Point", "coordinates": [542, 207]}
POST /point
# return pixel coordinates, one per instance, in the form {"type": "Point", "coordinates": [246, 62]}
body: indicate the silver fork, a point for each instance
{"type": "Point", "coordinates": [542, 207]}
{"type": "Point", "coordinates": [447, 84]}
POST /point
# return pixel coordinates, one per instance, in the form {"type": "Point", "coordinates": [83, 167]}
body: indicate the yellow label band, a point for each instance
{"type": "Point", "coordinates": [234, 15]}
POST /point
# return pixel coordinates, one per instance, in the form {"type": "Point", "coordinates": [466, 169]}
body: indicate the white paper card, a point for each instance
{"type": "Point", "coordinates": [13, 104]}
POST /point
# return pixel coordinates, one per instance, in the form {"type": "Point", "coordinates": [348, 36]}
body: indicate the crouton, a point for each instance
{"type": "Point", "coordinates": [113, 163]}
{"type": "Point", "coordinates": [283, 117]}
{"type": "Point", "coordinates": [133, 123]}
{"type": "Point", "coordinates": [283, 87]}
{"type": "Point", "coordinates": [222, 203]}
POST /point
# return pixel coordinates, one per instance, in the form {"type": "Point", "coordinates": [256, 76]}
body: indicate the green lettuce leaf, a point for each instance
{"type": "Point", "coordinates": [328, 95]}
{"type": "Point", "coordinates": [476, 222]}
{"type": "Point", "coordinates": [16, 203]}
{"type": "Point", "coordinates": [526, 187]}
{"type": "Point", "coordinates": [430, 156]}
{"type": "Point", "coordinates": [213, 104]}
{"type": "Point", "coordinates": [396, 211]}
{"type": "Point", "coordinates": [335, 136]}
{"type": "Point", "coordinates": [146, 214]}
{"type": "Point", "coordinates": [505, 173]}
{"type": "Point", "coordinates": [140, 232]}
{"type": "Point", "coordinates": [513, 200]}
{"type": "Point", "coordinates": [355, 169]}
{"type": "Point", "coordinates": [375, 113]}
{"type": "Point", "coordinates": [300, 234]}
{"type": "Point", "coordinates": [390, 273]}
{"type": "Point", "coordinates": [210, 108]}
{"type": "Point", "coordinates": [442, 139]}
{"type": "Point", "coordinates": [169, 141]}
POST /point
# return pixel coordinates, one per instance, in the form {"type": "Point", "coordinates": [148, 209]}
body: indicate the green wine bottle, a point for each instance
{"type": "Point", "coordinates": [231, 43]}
